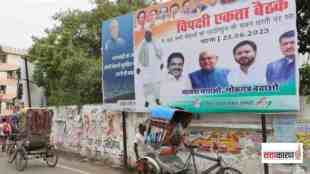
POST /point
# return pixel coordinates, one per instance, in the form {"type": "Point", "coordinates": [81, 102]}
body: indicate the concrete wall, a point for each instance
{"type": "Point", "coordinates": [91, 131]}
{"type": "Point", "coordinates": [97, 133]}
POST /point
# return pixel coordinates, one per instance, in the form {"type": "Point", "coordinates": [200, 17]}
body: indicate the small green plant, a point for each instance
{"type": "Point", "coordinates": [131, 169]}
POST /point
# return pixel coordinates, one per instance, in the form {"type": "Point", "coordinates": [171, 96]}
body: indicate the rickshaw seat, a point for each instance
{"type": "Point", "coordinates": [37, 142]}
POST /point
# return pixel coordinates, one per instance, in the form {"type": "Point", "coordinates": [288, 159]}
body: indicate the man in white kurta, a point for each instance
{"type": "Point", "coordinates": [150, 65]}
{"type": "Point", "coordinates": [254, 75]}
{"type": "Point", "coordinates": [248, 72]}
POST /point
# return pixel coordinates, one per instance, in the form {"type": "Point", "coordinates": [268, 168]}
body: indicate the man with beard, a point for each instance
{"type": "Point", "coordinates": [173, 82]}
{"type": "Point", "coordinates": [247, 73]}
{"type": "Point", "coordinates": [283, 70]}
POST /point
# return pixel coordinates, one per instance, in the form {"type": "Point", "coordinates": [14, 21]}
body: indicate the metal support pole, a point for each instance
{"type": "Point", "coordinates": [124, 139]}
{"type": "Point", "coordinates": [27, 83]}
{"type": "Point", "coordinates": [264, 134]}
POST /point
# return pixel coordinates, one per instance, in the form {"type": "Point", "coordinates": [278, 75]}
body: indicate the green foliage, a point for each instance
{"type": "Point", "coordinates": [303, 27]}
{"type": "Point", "coordinates": [131, 169]}
{"type": "Point", "coordinates": [67, 59]}
{"type": "Point", "coordinates": [305, 81]}
{"type": "Point", "coordinates": [303, 23]}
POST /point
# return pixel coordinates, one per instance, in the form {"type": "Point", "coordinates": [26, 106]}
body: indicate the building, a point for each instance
{"type": "Point", "coordinates": [304, 59]}
{"type": "Point", "coordinates": [13, 83]}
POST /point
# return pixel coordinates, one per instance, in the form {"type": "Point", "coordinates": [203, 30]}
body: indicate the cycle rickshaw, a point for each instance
{"type": "Point", "coordinates": [166, 135]}
{"type": "Point", "coordinates": [32, 141]}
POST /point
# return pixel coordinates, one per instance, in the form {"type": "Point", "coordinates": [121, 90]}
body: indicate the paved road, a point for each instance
{"type": "Point", "coordinates": [65, 166]}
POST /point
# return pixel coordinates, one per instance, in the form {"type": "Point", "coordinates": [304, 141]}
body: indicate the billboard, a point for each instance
{"type": "Point", "coordinates": [217, 56]}
{"type": "Point", "coordinates": [117, 58]}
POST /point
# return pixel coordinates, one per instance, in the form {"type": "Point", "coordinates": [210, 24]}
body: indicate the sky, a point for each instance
{"type": "Point", "coordinates": [21, 19]}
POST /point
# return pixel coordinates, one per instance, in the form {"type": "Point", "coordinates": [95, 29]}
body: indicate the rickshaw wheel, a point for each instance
{"type": "Point", "coordinates": [51, 157]}
{"type": "Point", "coordinates": [150, 169]}
{"type": "Point", "coordinates": [20, 161]}
{"type": "Point", "coordinates": [11, 154]}
{"type": "Point", "coordinates": [229, 170]}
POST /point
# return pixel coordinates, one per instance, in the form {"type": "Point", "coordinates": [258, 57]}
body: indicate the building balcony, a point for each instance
{"type": "Point", "coordinates": [6, 112]}
{"type": "Point", "coordinates": [10, 82]}
{"type": "Point", "coordinates": [7, 97]}
{"type": "Point", "coordinates": [8, 67]}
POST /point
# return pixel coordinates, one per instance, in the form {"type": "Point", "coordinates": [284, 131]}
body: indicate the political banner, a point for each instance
{"type": "Point", "coordinates": [117, 58]}
{"type": "Point", "coordinates": [216, 56]}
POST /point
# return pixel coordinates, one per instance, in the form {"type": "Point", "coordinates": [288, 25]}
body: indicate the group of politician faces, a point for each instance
{"type": "Point", "coordinates": [244, 53]}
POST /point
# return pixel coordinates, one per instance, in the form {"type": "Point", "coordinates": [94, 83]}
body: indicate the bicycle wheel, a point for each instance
{"type": "Point", "coordinates": [51, 157]}
{"type": "Point", "coordinates": [228, 170]}
{"type": "Point", "coordinates": [3, 146]}
{"type": "Point", "coordinates": [20, 161]}
{"type": "Point", "coordinates": [150, 168]}
{"type": "Point", "coordinates": [11, 153]}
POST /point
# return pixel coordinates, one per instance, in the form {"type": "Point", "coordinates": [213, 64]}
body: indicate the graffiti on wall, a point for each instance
{"type": "Point", "coordinates": [226, 141]}
{"type": "Point", "coordinates": [93, 131]}
{"type": "Point", "coordinates": [67, 131]}
{"type": "Point", "coordinates": [97, 131]}
{"type": "Point", "coordinates": [303, 136]}
{"type": "Point", "coordinates": [235, 146]}
{"type": "Point", "coordinates": [240, 147]}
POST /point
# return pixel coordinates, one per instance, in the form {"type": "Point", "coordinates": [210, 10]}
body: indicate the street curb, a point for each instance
{"type": "Point", "coordinates": [69, 155]}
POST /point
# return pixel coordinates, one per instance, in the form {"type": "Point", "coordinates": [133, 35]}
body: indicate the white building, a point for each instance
{"type": "Point", "coordinates": [13, 78]}
{"type": "Point", "coordinates": [304, 59]}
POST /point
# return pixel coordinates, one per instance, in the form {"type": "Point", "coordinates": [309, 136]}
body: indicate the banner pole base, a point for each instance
{"type": "Point", "coordinates": [264, 134]}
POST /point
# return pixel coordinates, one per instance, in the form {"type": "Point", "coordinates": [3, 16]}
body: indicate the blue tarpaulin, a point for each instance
{"type": "Point", "coordinates": [162, 112]}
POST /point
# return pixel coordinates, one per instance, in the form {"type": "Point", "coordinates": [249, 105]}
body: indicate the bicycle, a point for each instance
{"type": "Point", "coordinates": [11, 147]}
{"type": "Point", "coordinates": [221, 169]}
{"type": "Point", "coordinates": [156, 166]}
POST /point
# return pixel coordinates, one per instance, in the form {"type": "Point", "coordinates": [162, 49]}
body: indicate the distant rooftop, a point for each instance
{"type": "Point", "coordinates": [12, 50]}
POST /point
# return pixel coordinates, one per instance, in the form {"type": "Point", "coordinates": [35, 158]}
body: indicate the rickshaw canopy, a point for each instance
{"type": "Point", "coordinates": [169, 115]}
{"type": "Point", "coordinates": [162, 113]}
{"type": "Point", "coordinates": [36, 121]}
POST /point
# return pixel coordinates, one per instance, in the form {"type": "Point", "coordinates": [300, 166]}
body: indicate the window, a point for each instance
{"type": "Point", "coordinates": [11, 75]}
{"type": "Point", "coordinates": [3, 58]}
{"type": "Point", "coordinates": [20, 91]}
{"type": "Point", "coordinates": [18, 74]}
{"type": "Point", "coordinates": [2, 89]}
{"type": "Point", "coordinates": [9, 106]}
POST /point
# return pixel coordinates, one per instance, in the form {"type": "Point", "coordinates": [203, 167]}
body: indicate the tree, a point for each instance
{"type": "Point", "coordinates": [305, 81]}
{"type": "Point", "coordinates": [303, 25]}
{"type": "Point", "coordinates": [67, 59]}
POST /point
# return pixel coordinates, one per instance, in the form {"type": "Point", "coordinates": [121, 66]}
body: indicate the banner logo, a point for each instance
{"type": "Point", "coordinates": [282, 153]}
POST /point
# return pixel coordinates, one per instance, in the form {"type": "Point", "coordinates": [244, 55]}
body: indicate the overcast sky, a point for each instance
{"type": "Point", "coordinates": [20, 19]}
